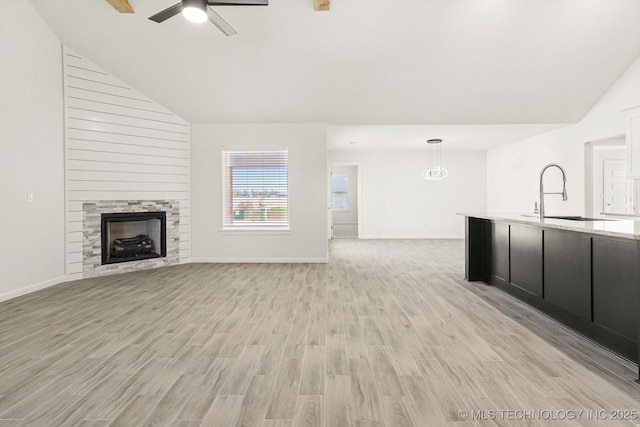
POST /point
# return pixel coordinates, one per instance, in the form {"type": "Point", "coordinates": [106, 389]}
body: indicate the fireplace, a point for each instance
{"type": "Point", "coordinates": [133, 236]}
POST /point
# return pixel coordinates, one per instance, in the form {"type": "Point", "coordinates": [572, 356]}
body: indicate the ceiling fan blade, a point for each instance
{"type": "Point", "coordinates": [167, 13]}
{"type": "Point", "coordinates": [220, 23]}
{"type": "Point", "coordinates": [121, 6]}
{"type": "Point", "coordinates": [321, 5]}
{"type": "Point", "coordinates": [238, 2]}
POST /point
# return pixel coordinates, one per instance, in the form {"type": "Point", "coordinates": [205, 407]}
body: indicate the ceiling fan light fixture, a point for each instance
{"type": "Point", "coordinates": [195, 11]}
{"type": "Point", "coordinates": [193, 14]}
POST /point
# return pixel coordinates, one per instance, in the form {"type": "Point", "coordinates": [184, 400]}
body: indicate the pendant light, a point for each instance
{"type": "Point", "coordinates": [194, 10]}
{"type": "Point", "coordinates": [434, 171]}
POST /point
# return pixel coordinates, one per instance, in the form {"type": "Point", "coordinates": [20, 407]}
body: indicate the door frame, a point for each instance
{"type": "Point", "coordinates": [628, 197]}
{"type": "Point", "coordinates": [591, 174]}
{"type": "Point", "coordinates": [358, 166]}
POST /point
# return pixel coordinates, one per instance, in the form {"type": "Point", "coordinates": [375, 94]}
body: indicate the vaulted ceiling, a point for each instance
{"type": "Point", "coordinates": [365, 62]}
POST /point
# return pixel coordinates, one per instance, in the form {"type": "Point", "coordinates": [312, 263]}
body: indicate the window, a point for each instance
{"type": "Point", "coordinates": [255, 189]}
{"type": "Point", "coordinates": [339, 192]}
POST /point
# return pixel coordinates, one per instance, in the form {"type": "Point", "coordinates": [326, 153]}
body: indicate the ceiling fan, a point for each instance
{"type": "Point", "coordinates": [198, 11]}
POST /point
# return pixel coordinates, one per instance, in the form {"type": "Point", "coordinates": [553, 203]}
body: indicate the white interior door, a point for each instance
{"type": "Point", "coordinates": [616, 187]}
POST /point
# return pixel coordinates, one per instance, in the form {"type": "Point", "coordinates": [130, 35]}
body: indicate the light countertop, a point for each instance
{"type": "Point", "coordinates": [625, 228]}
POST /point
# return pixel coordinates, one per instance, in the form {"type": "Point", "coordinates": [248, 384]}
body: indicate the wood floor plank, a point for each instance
{"type": "Point", "coordinates": [173, 401]}
{"type": "Point", "coordinates": [356, 346]}
{"type": "Point", "coordinates": [46, 410]}
{"type": "Point", "coordinates": [203, 396]}
{"type": "Point", "coordinates": [186, 423]}
{"type": "Point", "coordinates": [136, 412]}
{"type": "Point", "coordinates": [336, 356]}
{"type": "Point", "coordinates": [313, 370]}
{"type": "Point", "coordinates": [364, 394]}
{"type": "Point", "coordinates": [383, 371]}
{"type": "Point", "coordinates": [285, 391]}
{"type": "Point", "coordinates": [132, 387]}
{"type": "Point", "coordinates": [89, 402]}
{"type": "Point", "coordinates": [294, 349]}
{"type": "Point", "coordinates": [396, 413]}
{"type": "Point", "coordinates": [318, 323]}
{"type": "Point", "coordinates": [386, 334]}
{"type": "Point", "coordinates": [272, 355]}
{"type": "Point", "coordinates": [309, 412]}
{"type": "Point", "coordinates": [278, 423]}
{"type": "Point", "coordinates": [255, 402]}
{"type": "Point", "coordinates": [421, 402]}
{"type": "Point", "coordinates": [242, 371]}
{"type": "Point", "coordinates": [224, 411]}
{"type": "Point", "coordinates": [337, 393]}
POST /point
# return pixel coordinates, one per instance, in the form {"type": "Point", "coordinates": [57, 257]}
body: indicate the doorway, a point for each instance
{"type": "Point", "coordinates": [345, 201]}
{"type": "Point", "coordinates": [617, 194]}
{"type": "Point", "coordinates": [608, 190]}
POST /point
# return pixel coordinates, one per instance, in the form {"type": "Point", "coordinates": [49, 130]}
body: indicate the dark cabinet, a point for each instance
{"type": "Point", "coordinates": [615, 286]}
{"type": "Point", "coordinates": [526, 258]}
{"type": "Point", "coordinates": [589, 282]}
{"type": "Point", "coordinates": [500, 253]}
{"type": "Point", "coordinates": [567, 271]}
{"type": "Point", "coordinates": [477, 248]}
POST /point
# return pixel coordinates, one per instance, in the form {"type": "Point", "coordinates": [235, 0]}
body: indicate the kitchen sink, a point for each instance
{"type": "Point", "coordinates": [579, 218]}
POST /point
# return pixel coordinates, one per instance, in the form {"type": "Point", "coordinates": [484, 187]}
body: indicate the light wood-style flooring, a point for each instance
{"type": "Point", "coordinates": [386, 334]}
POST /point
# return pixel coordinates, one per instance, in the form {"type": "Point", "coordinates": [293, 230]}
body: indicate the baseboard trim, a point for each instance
{"type": "Point", "coordinates": [29, 289]}
{"type": "Point", "coordinates": [259, 260]}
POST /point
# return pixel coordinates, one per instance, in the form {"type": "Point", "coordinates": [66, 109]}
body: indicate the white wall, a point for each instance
{"type": "Point", "coordinates": [119, 145]}
{"type": "Point", "coordinates": [307, 240]}
{"type": "Point", "coordinates": [31, 152]}
{"type": "Point", "coordinates": [513, 169]}
{"type": "Point", "coordinates": [396, 202]}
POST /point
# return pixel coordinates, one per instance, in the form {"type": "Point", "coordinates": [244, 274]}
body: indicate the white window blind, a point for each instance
{"type": "Point", "coordinates": [255, 189]}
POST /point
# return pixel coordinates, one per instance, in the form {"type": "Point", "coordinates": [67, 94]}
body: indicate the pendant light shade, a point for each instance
{"type": "Point", "coordinates": [434, 170]}
{"type": "Point", "coordinates": [194, 10]}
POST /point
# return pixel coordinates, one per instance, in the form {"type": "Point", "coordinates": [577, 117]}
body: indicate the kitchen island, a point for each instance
{"type": "Point", "coordinates": [584, 274]}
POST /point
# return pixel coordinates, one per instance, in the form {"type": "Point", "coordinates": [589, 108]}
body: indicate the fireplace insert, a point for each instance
{"type": "Point", "coordinates": [133, 236]}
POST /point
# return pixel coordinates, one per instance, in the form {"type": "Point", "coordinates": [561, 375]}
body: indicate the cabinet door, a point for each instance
{"type": "Point", "coordinates": [526, 258]}
{"type": "Point", "coordinates": [633, 143]}
{"type": "Point", "coordinates": [500, 252]}
{"type": "Point", "coordinates": [615, 286]}
{"type": "Point", "coordinates": [567, 271]}
{"type": "Point", "coordinates": [477, 249]}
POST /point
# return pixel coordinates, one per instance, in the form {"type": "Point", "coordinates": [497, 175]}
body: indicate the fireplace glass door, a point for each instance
{"type": "Point", "coordinates": [133, 236]}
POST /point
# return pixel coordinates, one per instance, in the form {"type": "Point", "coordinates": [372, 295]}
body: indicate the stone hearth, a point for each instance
{"type": "Point", "coordinates": [91, 234]}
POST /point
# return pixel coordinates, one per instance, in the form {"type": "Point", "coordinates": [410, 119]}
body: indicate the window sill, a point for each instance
{"type": "Point", "coordinates": [254, 231]}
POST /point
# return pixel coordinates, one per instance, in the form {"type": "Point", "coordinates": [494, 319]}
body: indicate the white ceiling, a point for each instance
{"type": "Point", "coordinates": [367, 62]}
{"type": "Point", "coordinates": [414, 137]}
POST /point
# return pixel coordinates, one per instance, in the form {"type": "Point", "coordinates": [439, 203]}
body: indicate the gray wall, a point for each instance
{"type": "Point", "coordinates": [31, 152]}
{"type": "Point", "coordinates": [307, 240]}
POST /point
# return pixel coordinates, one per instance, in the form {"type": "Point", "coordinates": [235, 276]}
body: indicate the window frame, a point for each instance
{"type": "Point", "coordinates": [285, 228]}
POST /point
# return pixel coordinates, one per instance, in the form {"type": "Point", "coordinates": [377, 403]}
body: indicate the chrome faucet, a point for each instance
{"type": "Point", "coordinates": [542, 193]}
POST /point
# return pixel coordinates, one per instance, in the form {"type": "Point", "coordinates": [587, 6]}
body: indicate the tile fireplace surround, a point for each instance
{"type": "Point", "coordinates": [91, 240]}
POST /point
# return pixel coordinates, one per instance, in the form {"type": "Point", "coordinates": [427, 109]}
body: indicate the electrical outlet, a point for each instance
{"type": "Point", "coordinates": [30, 198]}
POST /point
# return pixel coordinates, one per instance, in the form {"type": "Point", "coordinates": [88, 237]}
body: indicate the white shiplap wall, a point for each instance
{"type": "Point", "coordinates": [119, 145]}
